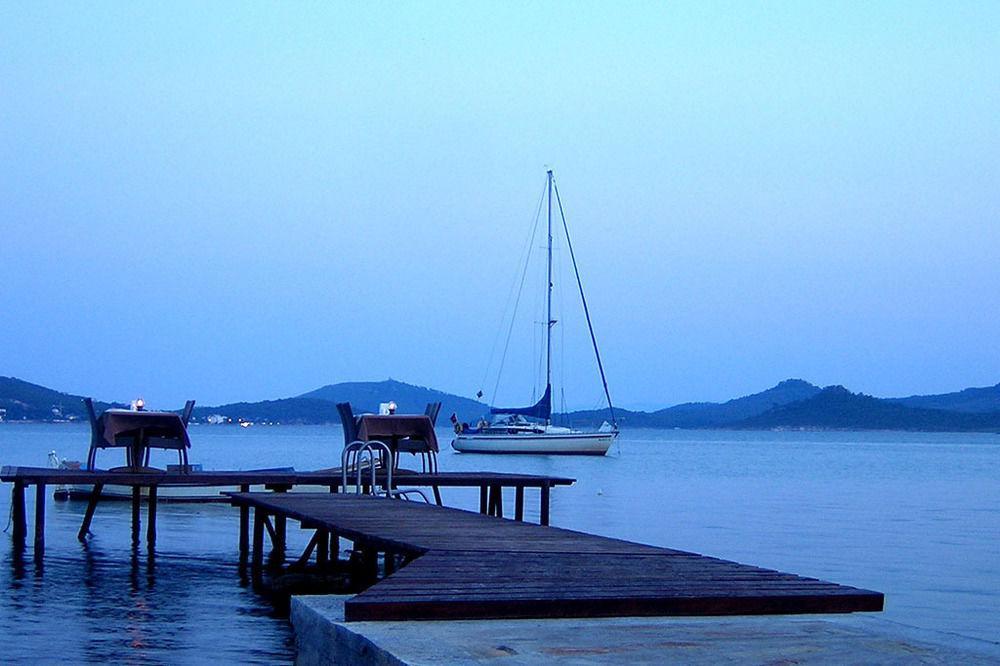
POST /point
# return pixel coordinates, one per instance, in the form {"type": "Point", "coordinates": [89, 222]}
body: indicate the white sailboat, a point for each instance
{"type": "Point", "coordinates": [530, 429]}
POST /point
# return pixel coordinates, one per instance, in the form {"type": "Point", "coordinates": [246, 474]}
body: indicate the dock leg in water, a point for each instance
{"type": "Point", "coordinates": [244, 528]}
{"type": "Point", "coordinates": [88, 517]}
{"type": "Point", "coordinates": [257, 561]}
{"type": "Point", "coordinates": [280, 532]}
{"type": "Point", "coordinates": [151, 518]}
{"type": "Point", "coordinates": [39, 521]}
{"type": "Point", "coordinates": [136, 506]}
{"type": "Point", "coordinates": [17, 514]}
{"type": "Point", "coordinates": [322, 547]}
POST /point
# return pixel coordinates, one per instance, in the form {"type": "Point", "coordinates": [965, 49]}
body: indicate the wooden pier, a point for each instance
{"type": "Point", "coordinates": [444, 563]}
{"type": "Point", "coordinates": [462, 565]}
{"type": "Point", "coordinates": [490, 485]}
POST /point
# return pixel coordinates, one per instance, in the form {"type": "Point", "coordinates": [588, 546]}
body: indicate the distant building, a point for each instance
{"type": "Point", "coordinates": [216, 419]}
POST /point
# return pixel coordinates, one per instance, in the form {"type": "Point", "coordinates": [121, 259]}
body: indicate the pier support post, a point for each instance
{"type": "Point", "coordinates": [482, 499]}
{"type": "Point", "coordinates": [519, 503]}
{"type": "Point", "coordinates": [496, 501]}
{"type": "Point", "coordinates": [39, 521]}
{"type": "Point", "coordinates": [136, 518]}
{"type": "Point", "coordinates": [334, 546]}
{"type": "Point", "coordinates": [257, 562]}
{"type": "Point", "coordinates": [88, 516]}
{"type": "Point", "coordinates": [280, 532]}
{"type": "Point", "coordinates": [244, 528]}
{"type": "Point", "coordinates": [322, 547]}
{"type": "Point", "coordinates": [151, 518]}
{"type": "Point", "coordinates": [544, 517]}
{"type": "Point", "coordinates": [17, 515]}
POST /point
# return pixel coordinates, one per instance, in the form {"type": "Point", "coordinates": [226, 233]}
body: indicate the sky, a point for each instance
{"type": "Point", "coordinates": [240, 201]}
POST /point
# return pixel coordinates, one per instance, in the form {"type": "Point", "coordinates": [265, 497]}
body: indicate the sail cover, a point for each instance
{"type": "Point", "coordinates": [540, 410]}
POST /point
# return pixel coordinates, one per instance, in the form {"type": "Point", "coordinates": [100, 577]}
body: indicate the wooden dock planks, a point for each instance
{"type": "Point", "coordinates": [473, 566]}
{"type": "Point", "coordinates": [489, 483]}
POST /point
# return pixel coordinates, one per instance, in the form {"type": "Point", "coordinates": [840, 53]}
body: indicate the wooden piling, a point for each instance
{"type": "Point", "coordinates": [18, 515]}
{"type": "Point", "coordinates": [88, 516]}
{"type": "Point", "coordinates": [39, 520]}
{"type": "Point", "coordinates": [258, 540]}
{"type": "Point", "coordinates": [244, 528]}
{"type": "Point", "coordinates": [136, 507]}
{"type": "Point", "coordinates": [280, 533]}
{"type": "Point", "coordinates": [151, 518]}
{"type": "Point", "coordinates": [322, 547]}
{"type": "Point", "coordinates": [544, 517]}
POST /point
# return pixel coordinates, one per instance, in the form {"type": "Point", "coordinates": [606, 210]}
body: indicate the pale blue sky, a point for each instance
{"type": "Point", "coordinates": [243, 201]}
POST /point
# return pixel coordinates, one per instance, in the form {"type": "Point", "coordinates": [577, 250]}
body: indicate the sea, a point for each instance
{"type": "Point", "coordinates": [913, 515]}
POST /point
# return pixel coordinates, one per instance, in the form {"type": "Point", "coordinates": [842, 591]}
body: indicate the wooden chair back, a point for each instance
{"type": "Point", "coordinates": [186, 414]}
{"type": "Point", "coordinates": [347, 419]}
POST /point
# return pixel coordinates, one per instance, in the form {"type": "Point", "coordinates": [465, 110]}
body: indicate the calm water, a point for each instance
{"type": "Point", "coordinates": [916, 516]}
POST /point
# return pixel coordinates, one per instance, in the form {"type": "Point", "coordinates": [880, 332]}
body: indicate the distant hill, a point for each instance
{"type": "Point", "coordinates": [973, 400]}
{"type": "Point", "coordinates": [319, 406]}
{"type": "Point", "coordinates": [713, 415]}
{"type": "Point", "coordinates": [837, 408]}
{"type": "Point", "coordinates": [26, 401]}
{"type": "Point", "coordinates": [793, 403]}
{"type": "Point", "coordinates": [706, 414]}
{"type": "Point", "coordinates": [291, 411]}
{"type": "Point", "coordinates": [410, 399]}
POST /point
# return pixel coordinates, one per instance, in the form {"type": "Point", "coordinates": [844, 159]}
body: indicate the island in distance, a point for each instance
{"type": "Point", "coordinates": [791, 404]}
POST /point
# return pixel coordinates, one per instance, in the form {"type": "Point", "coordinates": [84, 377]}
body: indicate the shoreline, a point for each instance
{"type": "Point", "coordinates": [624, 427]}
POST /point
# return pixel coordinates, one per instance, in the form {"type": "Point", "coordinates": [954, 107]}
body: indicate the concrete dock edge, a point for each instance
{"type": "Point", "coordinates": [323, 637]}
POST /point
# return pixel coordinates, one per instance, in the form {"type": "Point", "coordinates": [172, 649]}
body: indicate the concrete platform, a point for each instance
{"type": "Point", "coordinates": [323, 637]}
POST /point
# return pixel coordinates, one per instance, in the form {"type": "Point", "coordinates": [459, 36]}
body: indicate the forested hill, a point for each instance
{"type": "Point", "coordinates": [974, 400]}
{"type": "Point", "coordinates": [836, 408]}
{"type": "Point", "coordinates": [796, 404]}
{"type": "Point", "coordinates": [409, 399]}
{"type": "Point", "coordinates": [24, 401]}
{"type": "Point", "coordinates": [791, 404]}
{"type": "Point", "coordinates": [704, 414]}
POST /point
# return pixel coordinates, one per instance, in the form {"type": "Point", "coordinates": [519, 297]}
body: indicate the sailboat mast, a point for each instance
{"type": "Point", "coordinates": [548, 314]}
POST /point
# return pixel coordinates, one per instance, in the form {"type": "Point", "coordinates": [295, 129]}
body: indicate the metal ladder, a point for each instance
{"type": "Point", "coordinates": [361, 456]}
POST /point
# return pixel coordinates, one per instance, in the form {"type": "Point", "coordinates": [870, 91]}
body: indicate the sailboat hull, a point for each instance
{"type": "Point", "coordinates": [577, 443]}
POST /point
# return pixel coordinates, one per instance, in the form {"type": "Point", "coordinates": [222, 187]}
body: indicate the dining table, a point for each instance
{"type": "Point", "coordinates": [391, 429]}
{"type": "Point", "coordinates": [138, 427]}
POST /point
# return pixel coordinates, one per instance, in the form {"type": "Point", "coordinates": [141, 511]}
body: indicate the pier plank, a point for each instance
{"type": "Point", "coordinates": [466, 565]}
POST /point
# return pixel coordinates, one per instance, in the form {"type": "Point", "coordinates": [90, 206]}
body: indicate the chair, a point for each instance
{"type": "Point", "coordinates": [419, 447]}
{"type": "Point", "coordinates": [186, 414]}
{"type": "Point", "coordinates": [97, 440]}
{"type": "Point", "coordinates": [432, 411]}
{"type": "Point", "coordinates": [349, 422]}
{"type": "Point", "coordinates": [172, 444]}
